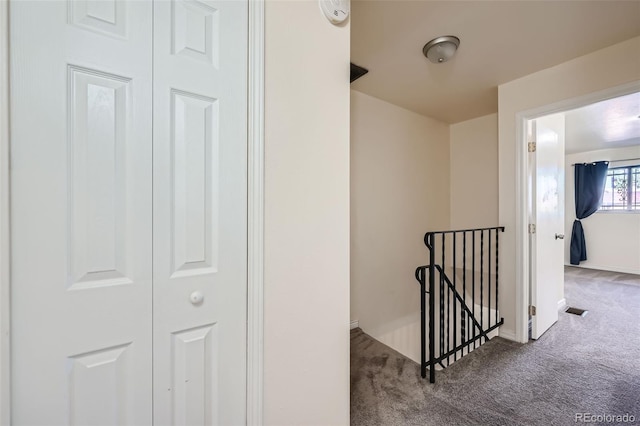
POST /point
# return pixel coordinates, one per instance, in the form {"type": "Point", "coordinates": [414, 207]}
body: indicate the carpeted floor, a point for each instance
{"type": "Point", "coordinates": [587, 364]}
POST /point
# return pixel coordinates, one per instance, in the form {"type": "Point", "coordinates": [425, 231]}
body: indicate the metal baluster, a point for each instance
{"type": "Point", "coordinates": [489, 275]}
{"type": "Point", "coordinates": [482, 283]}
{"type": "Point", "coordinates": [422, 322]}
{"type": "Point", "coordinates": [497, 281]}
{"type": "Point", "coordinates": [455, 314]}
{"type": "Point", "coordinates": [473, 284]}
{"type": "Point", "coordinates": [442, 304]}
{"type": "Point", "coordinates": [432, 325]}
{"type": "Point", "coordinates": [448, 318]}
{"type": "Point", "coordinates": [423, 305]}
{"type": "Point", "coordinates": [464, 286]}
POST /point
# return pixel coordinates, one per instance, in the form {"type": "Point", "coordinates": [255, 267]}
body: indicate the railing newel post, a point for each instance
{"type": "Point", "coordinates": [482, 282]}
{"type": "Point", "coordinates": [423, 371]}
{"type": "Point", "coordinates": [432, 270]}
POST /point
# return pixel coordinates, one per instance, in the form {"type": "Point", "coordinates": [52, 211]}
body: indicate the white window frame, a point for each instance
{"type": "Point", "coordinates": [629, 208]}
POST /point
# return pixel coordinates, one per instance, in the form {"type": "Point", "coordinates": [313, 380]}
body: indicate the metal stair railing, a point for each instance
{"type": "Point", "coordinates": [452, 295]}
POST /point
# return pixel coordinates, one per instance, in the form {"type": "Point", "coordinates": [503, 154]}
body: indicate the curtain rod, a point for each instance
{"type": "Point", "coordinates": [609, 161]}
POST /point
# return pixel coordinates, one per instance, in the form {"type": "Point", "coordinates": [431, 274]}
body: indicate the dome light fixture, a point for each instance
{"type": "Point", "coordinates": [441, 49]}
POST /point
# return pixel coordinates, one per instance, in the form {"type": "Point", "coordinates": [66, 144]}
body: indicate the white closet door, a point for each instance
{"type": "Point", "coordinates": [81, 156]}
{"type": "Point", "coordinates": [200, 109]}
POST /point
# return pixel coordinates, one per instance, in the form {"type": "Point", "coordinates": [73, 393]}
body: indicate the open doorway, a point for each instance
{"type": "Point", "coordinates": [604, 128]}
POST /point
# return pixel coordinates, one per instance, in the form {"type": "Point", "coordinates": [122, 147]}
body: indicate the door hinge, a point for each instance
{"type": "Point", "coordinates": [532, 228]}
{"type": "Point", "coordinates": [532, 311]}
{"type": "Point", "coordinates": [531, 147]}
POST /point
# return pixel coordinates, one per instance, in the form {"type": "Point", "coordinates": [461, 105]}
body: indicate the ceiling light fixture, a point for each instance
{"type": "Point", "coordinates": [441, 49]}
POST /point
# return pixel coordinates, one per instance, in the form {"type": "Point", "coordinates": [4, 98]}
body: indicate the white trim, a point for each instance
{"type": "Point", "coordinates": [562, 303]}
{"type": "Point", "coordinates": [354, 324]}
{"type": "Point", "coordinates": [522, 246]}
{"type": "Point", "coordinates": [522, 242]}
{"type": "Point", "coordinates": [5, 230]}
{"type": "Point", "coordinates": [255, 249]}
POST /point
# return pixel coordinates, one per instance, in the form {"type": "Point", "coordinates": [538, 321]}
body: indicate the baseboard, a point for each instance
{"type": "Point", "coordinates": [562, 303]}
{"type": "Point", "coordinates": [354, 324]}
{"type": "Point", "coordinates": [507, 334]}
{"type": "Point", "coordinates": [607, 268]}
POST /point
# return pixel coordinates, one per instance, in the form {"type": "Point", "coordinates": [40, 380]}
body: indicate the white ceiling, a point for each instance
{"type": "Point", "coordinates": [614, 123]}
{"type": "Point", "coordinates": [500, 41]}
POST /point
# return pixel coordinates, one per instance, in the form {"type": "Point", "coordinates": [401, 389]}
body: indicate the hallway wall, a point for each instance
{"type": "Point", "coordinates": [306, 270]}
{"type": "Point", "coordinates": [399, 191]}
{"type": "Point", "coordinates": [474, 173]}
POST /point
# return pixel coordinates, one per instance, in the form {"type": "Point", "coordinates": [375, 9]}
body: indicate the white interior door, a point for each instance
{"type": "Point", "coordinates": [547, 211]}
{"type": "Point", "coordinates": [200, 181]}
{"type": "Point", "coordinates": [81, 146]}
{"type": "Point", "coordinates": [128, 212]}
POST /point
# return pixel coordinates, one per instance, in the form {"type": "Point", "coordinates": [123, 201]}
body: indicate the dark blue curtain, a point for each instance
{"type": "Point", "coordinates": [589, 186]}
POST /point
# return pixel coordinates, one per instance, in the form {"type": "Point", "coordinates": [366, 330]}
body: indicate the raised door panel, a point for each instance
{"type": "Point", "coordinates": [103, 16]}
{"type": "Point", "coordinates": [194, 184]}
{"type": "Point", "coordinates": [195, 30]}
{"type": "Point", "coordinates": [99, 113]}
{"type": "Point", "coordinates": [195, 375]}
{"type": "Point", "coordinates": [100, 387]}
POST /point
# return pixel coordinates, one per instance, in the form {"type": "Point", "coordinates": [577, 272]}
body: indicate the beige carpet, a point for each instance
{"type": "Point", "coordinates": [585, 364]}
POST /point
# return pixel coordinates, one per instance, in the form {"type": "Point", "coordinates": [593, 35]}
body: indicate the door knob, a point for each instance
{"type": "Point", "coordinates": [559, 236]}
{"type": "Point", "coordinates": [196, 297]}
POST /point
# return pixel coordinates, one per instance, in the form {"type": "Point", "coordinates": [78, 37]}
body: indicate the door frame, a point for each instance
{"type": "Point", "coordinates": [255, 216]}
{"type": "Point", "coordinates": [5, 242]}
{"type": "Point", "coordinates": [523, 284]}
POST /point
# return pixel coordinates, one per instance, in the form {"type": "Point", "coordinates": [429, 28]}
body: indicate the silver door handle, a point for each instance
{"type": "Point", "coordinates": [559, 236]}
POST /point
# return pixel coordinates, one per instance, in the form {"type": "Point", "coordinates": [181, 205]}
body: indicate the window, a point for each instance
{"type": "Point", "coordinates": [622, 189]}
